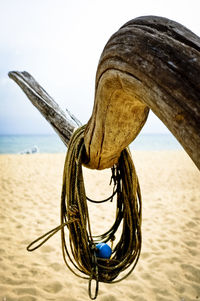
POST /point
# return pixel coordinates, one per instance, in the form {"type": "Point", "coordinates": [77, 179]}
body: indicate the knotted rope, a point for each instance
{"type": "Point", "coordinates": [78, 244]}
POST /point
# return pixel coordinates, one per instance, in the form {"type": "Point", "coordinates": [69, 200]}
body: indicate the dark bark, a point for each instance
{"type": "Point", "coordinates": [151, 62]}
{"type": "Point", "coordinates": [163, 58]}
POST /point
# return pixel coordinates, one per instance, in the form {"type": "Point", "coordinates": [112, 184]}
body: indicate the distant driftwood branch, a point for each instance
{"type": "Point", "coordinates": [45, 104]}
{"type": "Point", "coordinates": [149, 63]}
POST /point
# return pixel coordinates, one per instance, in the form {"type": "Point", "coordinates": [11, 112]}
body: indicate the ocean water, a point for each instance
{"type": "Point", "coordinates": [13, 144]}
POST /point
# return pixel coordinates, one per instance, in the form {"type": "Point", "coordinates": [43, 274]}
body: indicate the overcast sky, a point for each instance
{"type": "Point", "coordinates": [59, 42]}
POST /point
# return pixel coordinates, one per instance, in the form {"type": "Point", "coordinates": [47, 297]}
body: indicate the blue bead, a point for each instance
{"type": "Point", "coordinates": [104, 251]}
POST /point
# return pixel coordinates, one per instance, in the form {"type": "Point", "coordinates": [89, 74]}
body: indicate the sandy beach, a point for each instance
{"type": "Point", "coordinates": [169, 266]}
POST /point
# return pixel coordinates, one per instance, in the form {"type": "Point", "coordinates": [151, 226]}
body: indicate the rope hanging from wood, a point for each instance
{"type": "Point", "coordinates": [79, 246]}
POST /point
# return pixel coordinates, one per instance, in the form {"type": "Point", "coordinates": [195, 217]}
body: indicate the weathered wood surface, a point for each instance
{"type": "Point", "coordinates": [63, 126]}
{"type": "Point", "coordinates": [151, 62]}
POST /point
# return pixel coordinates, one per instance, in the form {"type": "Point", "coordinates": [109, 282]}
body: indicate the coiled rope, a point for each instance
{"type": "Point", "coordinates": [78, 244]}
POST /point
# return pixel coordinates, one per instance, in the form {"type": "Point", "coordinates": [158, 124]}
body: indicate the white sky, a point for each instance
{"type": "Point", "coordinates": [59, 42]}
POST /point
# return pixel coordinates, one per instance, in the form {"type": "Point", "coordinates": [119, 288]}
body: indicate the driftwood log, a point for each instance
{"type": "Point", "coordinates": [149, 63]}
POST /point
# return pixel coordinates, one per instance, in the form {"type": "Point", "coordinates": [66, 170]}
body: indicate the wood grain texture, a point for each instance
{"type": "Point", "coordinates": [63, 126]}
{"type": "Point", "coordinates": [150, 62]}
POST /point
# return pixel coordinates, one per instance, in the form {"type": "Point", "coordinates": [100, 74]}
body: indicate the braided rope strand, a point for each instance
{"type": "Point", "coordinates": [78, 244]}
{"type": "Point", "coordinates": [127, 250]}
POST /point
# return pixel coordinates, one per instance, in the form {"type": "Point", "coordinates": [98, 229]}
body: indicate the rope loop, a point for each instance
{"type": "Point", "coordinates": [78, 243]}
{"type": "Point", "coordinates": [110, 198]}
{"type": "Point", "coordinates": [115, 178]}
{"type": "Point", "coordinates": [94, 275]}
{"type": "Point", "coordinates": [46, 237]}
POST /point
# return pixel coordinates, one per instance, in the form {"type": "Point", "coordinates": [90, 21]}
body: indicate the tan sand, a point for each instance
{"type": "Point", "coordinates": [169, 267]}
